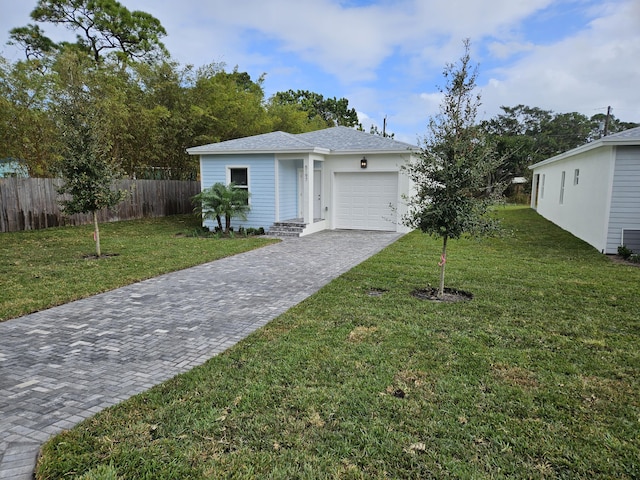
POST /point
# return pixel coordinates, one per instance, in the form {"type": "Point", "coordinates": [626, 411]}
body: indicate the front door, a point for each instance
{"type": "Point", "coordinates": [317, 193]}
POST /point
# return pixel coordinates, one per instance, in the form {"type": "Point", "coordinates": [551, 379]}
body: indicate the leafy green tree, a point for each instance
{"type": "Point", "coordinates": [222, 200]}
{"type": "Point", "coordinates": [290, 118]}
{"type": "Point", "coordinates": [164, 126]}
{"type": "Point", "coordinates": [611, 124]}
{"type": "Point", "coordinates": [102, 26]}
{"type": "Point", "coordinates": [34, 42]}
{"type": "Point", "coordinates": [453, 164]}
{"type": "Point", "coordinates": [226, 105]}
{"type": "Point", "coordinates": [525, 135]}
{"type": "Point", "coordinates": [331, 111]}
{"type": "Point", "coordinates": [27, 130]}
{"type": "Point", "coordinates": [86, 168]}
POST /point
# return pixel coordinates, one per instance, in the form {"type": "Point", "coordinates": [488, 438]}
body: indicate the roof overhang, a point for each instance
{"type": "Point", "coordinates": [602, 142]}
{"type": "Point", "coordinates": [213, 151]}
{"type": "Point", "coordinates": [371, 152]}
{"type": "Point", "coordinates": [324, 151]}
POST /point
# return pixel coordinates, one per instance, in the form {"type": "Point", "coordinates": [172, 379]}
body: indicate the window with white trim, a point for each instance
{"type": "Point", "coordinates": [576, 176]}
{"type": "Point", "coordinates": [542, 187]}
{"type": "Point", "coordinates": [240, 177]}
{"type": "Point", "coordinates": [562, 187]}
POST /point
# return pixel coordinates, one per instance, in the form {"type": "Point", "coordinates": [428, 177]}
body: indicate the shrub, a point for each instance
{"type": "Point", "coordinates": [624, 252]}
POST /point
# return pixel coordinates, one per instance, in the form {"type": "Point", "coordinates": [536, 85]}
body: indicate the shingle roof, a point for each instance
{"type": "Point", "coordinates": [329, 140]}
{"type": "Point", "coordinates": [626, 137]}
{"type": "Point", "coordinates": [344, 139]}
{"type": "Point", "coordinates": [275, 141]}
{"type": "Point", "coordinates": [631, 134]}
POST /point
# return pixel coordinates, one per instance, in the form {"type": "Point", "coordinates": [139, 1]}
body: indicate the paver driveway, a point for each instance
{"type": "Point", "coordinates": [62, 365]}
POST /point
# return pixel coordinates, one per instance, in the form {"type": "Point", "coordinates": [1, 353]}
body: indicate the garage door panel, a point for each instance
{"type": "Point", "coordinates": [366, 200]}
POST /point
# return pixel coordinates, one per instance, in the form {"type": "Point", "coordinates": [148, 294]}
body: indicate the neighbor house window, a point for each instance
{"type": "Point", "coordinates": [562, 188]}
{"type": "Point", "coordinates": [240, 177]}
{"type": "Point", "coordinates": [542, 187]}
{"type": "Point", "coordinates": [576, 176]}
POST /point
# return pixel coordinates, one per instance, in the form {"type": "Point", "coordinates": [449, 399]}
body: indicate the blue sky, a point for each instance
{"type": "Point", "coordinates": [386, 56]}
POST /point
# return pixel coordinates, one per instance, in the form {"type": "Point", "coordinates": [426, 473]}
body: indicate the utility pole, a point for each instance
{"type": "Point", "coordinates": [384, 126]}
{"type": "Point", "coordinates": [606, 121]}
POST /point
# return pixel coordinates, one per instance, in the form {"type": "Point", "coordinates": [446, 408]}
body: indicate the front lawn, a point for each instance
{"type": "Point", "coordinates": [536, 377]}
{"type": "Point", "coordinates": [43, 268]}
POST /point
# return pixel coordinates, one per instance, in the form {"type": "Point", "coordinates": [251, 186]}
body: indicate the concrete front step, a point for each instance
{"type": "Point", "coordinates": [284, 229]}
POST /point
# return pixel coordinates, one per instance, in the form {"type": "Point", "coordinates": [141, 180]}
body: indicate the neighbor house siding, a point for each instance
{"type": "Point", "coordinates": [583, 210]}
{"type": "Point", "coordinates": [261, 184]}
{"type": "Point", "coordinates": [288, 188]}
{"type": "Point", "coordinates": [625, 197]}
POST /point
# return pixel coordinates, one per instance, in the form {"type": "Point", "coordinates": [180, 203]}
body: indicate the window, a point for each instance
{"type": "Point", "coordinates": [542, 187]}
{"type": "Point", "coordinates": [562, 188]}
{"type": "Point", "coordinates": [576, 176]}
{"type": "Point", "coordinates": [240, 177]}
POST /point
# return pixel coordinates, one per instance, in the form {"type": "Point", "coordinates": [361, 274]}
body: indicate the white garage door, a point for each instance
{"type": "Point", "coordinates": [366, 200]}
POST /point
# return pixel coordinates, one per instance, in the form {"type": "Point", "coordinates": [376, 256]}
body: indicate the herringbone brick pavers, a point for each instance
{"type": "Point", "coordinates": [62, 365]}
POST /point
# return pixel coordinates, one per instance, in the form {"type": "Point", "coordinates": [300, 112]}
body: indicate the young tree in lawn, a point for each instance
{"type": "Point", "coordinates": [222, 200]}
{"type": "Point", "coordinates": [87, 170]}
{"type": "Point", "coordinates": [452, 196]}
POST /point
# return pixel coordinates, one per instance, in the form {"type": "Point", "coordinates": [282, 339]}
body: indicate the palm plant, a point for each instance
{"type": "Point", "coordinates": [221, 200]}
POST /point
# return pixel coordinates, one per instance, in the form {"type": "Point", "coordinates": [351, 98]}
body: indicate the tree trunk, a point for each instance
{"type": "Point", "coordinates": [227, 224]}
{"type": "Point", "coordinates": [442, 264]}
{"type": "Point", "coordinates": [219, 222]}
{"type": "Point", "coordinates": [96, 233]}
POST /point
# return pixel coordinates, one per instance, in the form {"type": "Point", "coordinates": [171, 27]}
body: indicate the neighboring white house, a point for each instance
{"type": "Point", "coordinates": [336, 178]}
{"type": "Point", "coordinates": [593, 191]}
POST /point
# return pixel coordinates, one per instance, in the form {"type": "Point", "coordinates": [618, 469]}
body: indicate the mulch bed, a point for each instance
{"type": "Point", "coordinates": [449, 295]}
{"type": "Point", "coordinates": [95, 257]}
{"type": "Point", "coordinates": [619, 259]}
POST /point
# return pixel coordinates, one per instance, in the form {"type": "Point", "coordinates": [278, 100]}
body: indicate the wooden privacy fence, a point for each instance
{"type": "Point", "coordinates": [32, 203]}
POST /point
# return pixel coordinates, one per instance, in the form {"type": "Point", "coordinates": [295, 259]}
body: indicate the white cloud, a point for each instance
{"type": "Point", "coordinates": [504, 50]}
{"type": "Point", "coordinates": [387, 57]}
{"type": "Point", "coordinates": [586, 72]}
{"type": "Point", "coordinates": [347, 42]}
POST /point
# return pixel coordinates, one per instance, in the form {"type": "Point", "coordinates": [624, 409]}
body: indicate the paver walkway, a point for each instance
{"type": "Point", "coordinates": [62, 365]}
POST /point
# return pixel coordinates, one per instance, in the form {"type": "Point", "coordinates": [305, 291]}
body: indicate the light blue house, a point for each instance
{"type": "Point", "coordinates": [593, 191]}
{"type": "Point", "coordinates": [337, 178]}
{"type": "Point", "coordinates": [10, 167]}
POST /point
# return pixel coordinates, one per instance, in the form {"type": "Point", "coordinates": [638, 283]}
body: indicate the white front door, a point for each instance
{"type": "Point", "coordinates": [317, 194]}
{"type": "Point", "coordinates": [300, 192]}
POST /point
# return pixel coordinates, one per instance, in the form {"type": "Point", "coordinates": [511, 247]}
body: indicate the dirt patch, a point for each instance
{"type": "Point", "coordinates": [376, 292]}
{"type": "Point", "coordinates": [104, 255]}
{"type": "Point", "coordinates": [449, 295]}
{"type": "Point", "coordinates": [620, 260]}
{"type": "Point", "coordinates": [361, 333]}
{"type": "Point", "coordinates": [515, 375]}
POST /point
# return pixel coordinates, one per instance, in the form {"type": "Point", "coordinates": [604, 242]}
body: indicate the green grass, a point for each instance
{"type": "Point", "coordinates": [536, 377]}
{"type": "Point", "coordinates": [43, 268]}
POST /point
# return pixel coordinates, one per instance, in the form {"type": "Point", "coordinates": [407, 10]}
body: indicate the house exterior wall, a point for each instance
{"type": "Point", "coordinates": [625, 199]}
{"type": "Point", "coordinates": [288, 188]}
{"type": "Point", "coordinates": [375, 163]}
{"type": "Point", "coordinates": [273, 182]}
{"type": "Point", "coordinates": [583, 208]}
{"type": "Point", "coordinates": [261, 169]}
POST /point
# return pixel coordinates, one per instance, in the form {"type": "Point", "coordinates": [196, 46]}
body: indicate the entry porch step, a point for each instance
{"type": "Point", "coordinates": [287, 228]}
